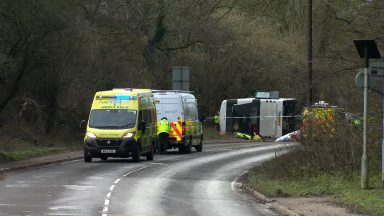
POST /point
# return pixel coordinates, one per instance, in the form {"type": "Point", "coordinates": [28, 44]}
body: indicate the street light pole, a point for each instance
{"type": "Point", "coordinates": [364, 158]}
{"type": "Point", "coordinates": [309, 49]}
{"type": "Point", "coordinates": [367, 49]}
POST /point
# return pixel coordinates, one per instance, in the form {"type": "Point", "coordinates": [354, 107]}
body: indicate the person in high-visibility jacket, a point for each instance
{"type": "Point", "coordinates": [163, 130]}
{"type": "Point", "coordinates": [216, 118]}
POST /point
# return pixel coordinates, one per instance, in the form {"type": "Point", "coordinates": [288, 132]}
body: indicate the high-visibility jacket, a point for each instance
{"type": "Point", "coordinates": [217, 119]}
{"type": "Point", "coordinates": [243, 136]}
{"type": "Point", "coordinates": [163, 126]}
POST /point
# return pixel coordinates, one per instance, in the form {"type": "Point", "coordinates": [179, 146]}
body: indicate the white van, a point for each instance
{"type": "Point", "coordinates": [180, 108]}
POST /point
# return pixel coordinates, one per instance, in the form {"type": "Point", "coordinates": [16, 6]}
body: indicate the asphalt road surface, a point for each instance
{"type": "Point", "coordinates": [173, 184]}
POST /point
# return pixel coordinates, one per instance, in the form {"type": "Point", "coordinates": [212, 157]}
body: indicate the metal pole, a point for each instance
{"type": "Point", "coordinates": [382, 142]}
{"type": "Point", "coordinates": [309, 49]}
{"type": "Point", "coordinates": [364, 159]}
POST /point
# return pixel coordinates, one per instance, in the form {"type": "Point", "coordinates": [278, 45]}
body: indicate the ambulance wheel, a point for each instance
{"type": "Point", "coordinates": [151, 152]}
{"type": "Point", "coordinates": [136, 153]}
{"type": "Point", "coordinates": [87, 157]}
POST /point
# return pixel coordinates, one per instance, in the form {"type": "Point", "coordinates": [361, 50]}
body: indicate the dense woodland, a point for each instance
{"type": "Point", "coordinates": [54, 54]}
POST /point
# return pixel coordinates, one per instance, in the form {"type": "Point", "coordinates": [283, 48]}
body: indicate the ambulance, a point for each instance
{"type": "Point", "coordinates": [121, 124]}
{"type": "Point", "coordinates": [180, 108]}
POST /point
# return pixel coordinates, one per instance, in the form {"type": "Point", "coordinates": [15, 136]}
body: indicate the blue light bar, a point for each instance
{"type": "Point", "coordinates": [118, 97]}
{"type": "Point", "coordinates": [123, 97]}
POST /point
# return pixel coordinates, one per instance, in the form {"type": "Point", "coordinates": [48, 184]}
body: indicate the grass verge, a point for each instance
{"type": "Point", "coordinates": [22, 149]}
{"type": "Point", "coordinates": [345, 189]}
{"type": "Point", "coordinates": [29, 152]}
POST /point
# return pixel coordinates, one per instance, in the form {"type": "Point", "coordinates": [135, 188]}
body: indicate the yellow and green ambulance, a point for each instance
{"type": "Point", "coordinates": [122, 123]}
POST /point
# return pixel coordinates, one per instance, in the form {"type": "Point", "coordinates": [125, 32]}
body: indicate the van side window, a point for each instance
{"type": "Point", "coordinates": [190, 111]}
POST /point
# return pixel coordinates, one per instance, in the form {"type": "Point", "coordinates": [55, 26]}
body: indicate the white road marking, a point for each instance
{"type": "Point", "coordinates": [78, 187]}
{"type": "Point", "coordinates": [17, 205]}
{"type": "Point", "coordinates": [105, 209]}
{"type": "Point", "coordinates": [133, 171]}
{"type": "Point", "coordinates": [57, 208]}
{"type": "Point", "coordinates": [158, 164]}
{"type": "Point", "coordinates": [109, 194]}
{"type": "Point", "coordinates": [112, 187]}
{"type": "Point", "coordinates": [17, 185]}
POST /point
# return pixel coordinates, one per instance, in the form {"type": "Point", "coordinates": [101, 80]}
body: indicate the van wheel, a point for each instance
{"type": "Point", "coordinates": [151, 152]}
{"type": "Point", "coordinates": [187, 148]}
{"type": "Point", "coordinates": [136, 153]}
{"type": "Point", "coordinates": [87, 157]}
{"type": "Point", "coordinates": [199, 148]}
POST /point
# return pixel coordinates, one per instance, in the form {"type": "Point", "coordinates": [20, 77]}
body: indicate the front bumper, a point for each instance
{"type": "Point", "coordinates": [121, 147]}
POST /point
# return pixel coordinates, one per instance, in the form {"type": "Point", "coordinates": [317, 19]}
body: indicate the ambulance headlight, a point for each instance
{"type": "Point", "coordinates": [90, 135]}
{"type": "Point", "coordinates": [129, 135]}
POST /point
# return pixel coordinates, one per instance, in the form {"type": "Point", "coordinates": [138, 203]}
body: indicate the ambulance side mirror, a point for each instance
{"type": "Point", "coordinates": [83, 124]}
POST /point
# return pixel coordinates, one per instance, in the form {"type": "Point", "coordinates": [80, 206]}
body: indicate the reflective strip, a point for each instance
{"type": "Point", "coordinates": [176, 131]}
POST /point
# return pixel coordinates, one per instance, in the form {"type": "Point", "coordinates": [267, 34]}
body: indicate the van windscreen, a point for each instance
{"type": "Point", "coordinates": [112, 118]}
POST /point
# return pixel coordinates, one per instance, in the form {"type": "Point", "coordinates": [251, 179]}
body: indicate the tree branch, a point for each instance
{"type": "Point", "coordinates": [185, 46]}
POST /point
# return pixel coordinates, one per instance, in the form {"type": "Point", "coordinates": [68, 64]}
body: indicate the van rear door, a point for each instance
{"type": "Point", "coordinates": [169, 108]}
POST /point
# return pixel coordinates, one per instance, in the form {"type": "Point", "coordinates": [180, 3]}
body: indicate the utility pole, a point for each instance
{"type": "Point", "coordinates": [309, 50]}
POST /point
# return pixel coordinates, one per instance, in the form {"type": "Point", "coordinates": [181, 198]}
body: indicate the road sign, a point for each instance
{"type": "Point", "coordinates": [359, 80]}
{"type": "Point", "coordinates": [376, 69]}
{"type": "Point", "coordinates": [180, 78]}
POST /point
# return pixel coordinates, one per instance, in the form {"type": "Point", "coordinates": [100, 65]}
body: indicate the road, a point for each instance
{"type": "Point", "coordinates": [173, 184]}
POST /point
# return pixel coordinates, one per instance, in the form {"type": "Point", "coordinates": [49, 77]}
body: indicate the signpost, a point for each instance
{"type": "Point", "coordinates": [367, 49]}
{"type": "Point", "coordinates": [180, 78]}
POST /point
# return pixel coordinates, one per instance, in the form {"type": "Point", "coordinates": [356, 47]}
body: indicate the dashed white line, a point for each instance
{"type": "Point", "coordinates": [105, 209]}
{"type": "Point", "coordinates": [129, 173]}
{"type": "Point", "coordinates": [163, 164]}
{"type": "Point", "coordinates": [109, 194]}
{"type": "Point", "coordinates": [106, 203]}
{"type": "Point", "coordinates": [112, 187]}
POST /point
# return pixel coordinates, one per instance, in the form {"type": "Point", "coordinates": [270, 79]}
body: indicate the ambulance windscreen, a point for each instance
{"type": "Point", "coordinates": [112, 119]}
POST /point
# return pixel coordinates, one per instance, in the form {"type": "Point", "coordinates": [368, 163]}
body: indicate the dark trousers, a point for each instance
{"type": "Point", "coordinates": [218, 127]}
{"type": "Point", "coordinates": [162, 143]}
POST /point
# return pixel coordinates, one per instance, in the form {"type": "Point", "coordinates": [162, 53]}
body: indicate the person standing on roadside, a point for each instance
{"type": "Point", "coordinates": [163, 130]}
{"type": "Point", "coordinates": [216, 118]}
